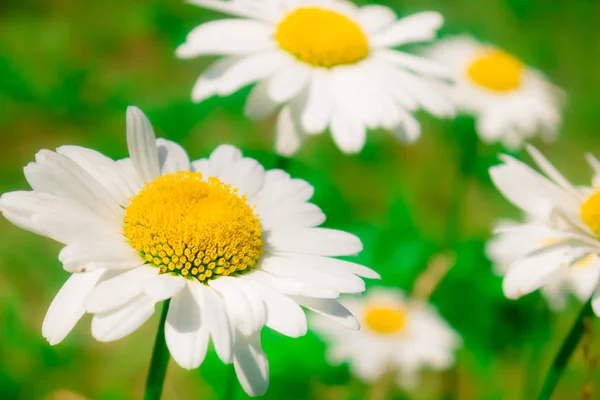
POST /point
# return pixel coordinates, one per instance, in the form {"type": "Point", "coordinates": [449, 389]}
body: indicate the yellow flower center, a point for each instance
{"type": "Point", "coordinates": [194, 228]}
{"type": "Point", "coordinates": [386, 319]}
{"type": "Point", "coordinates": [590, 213]}
{"type": "Point", "coordinates": [496, 70]}
{"type": "Point", "coordinates": [322, 38]}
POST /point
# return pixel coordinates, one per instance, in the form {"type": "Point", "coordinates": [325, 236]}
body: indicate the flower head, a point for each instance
{"type": "Point", "coordinates": [515, 240]}
{"type": "Point", "coordinates": [562, 233]}
{"type": "Point", "coordinates": [398, 335]}
{"type": "Point", "coordinates": [322, 64]}
{"type": "Point", "coordinates": [233, 246]}
{"type": "Point", "coordinates": [511, 101]}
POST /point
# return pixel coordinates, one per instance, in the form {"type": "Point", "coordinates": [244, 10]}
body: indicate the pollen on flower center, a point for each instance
{"type": "Point", "coordinates": [590, 213]}
{"type": "Point", "coordinates": [386, 319]}
{"type": "Point", "coordinates": [496, 70]}
{"type": "Point", "coordinates": [322, 38]}
{"type": "Point", "coordinates": [196, 228]}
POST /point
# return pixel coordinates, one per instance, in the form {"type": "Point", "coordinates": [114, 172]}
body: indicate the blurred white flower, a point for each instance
{"type": "Point", "coordinates": [233, 246]}
{"type": "Point", "coordinates": [516, 240]}
{"type": "Point", "coordinates": [564, 230]}
{"type": "Point", "coordinates": [511, 101]}
{"type": "Point", "coordinates": [398, 335]}
{"type": "Point", "coordinates": [322, 64]}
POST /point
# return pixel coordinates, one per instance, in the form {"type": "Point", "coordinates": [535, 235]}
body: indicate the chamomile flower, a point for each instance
{"type": "Point", "coordinates": [565, 219]}
{"type": "Point", "coordinates": [516, 240]}
{"type": "Point", "coordinates": [233, 246]}
{"type": "Point", "coordinates": [511, 101]}
{"type": "Point", "coordinates": [398, 335]}
{"type": "Point", "coordinates": [321, 64]}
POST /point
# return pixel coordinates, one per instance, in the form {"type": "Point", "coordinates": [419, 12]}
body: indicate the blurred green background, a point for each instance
{"type": "Point", "coordinates": [68, 69]}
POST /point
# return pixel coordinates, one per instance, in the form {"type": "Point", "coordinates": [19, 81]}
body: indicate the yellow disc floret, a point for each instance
{"type": "Point", "coordinates": [496, 70]}
{"type": "Point", "coordinates": [590, 213]}
{"type": "Point", "coordinates": [386, 319]}
{"type": "Point", "coordinates": [196, 228]}
{"type": "Point", "coordinates": [322, 38]}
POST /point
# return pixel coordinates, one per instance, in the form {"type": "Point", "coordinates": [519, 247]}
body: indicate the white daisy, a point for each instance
{"type": "Point", "coordinates": [398, 335]}
{"type": "Point", "coordinates": [233, 246]}
{"type": "Point", "coordinates": [322, 64]}
{"type": "Point", "coordinates": [511, 101]}
{"type": "Point", "coordinates": [568, 215]}
{"type": "Point", "coordinates": [516, 240]}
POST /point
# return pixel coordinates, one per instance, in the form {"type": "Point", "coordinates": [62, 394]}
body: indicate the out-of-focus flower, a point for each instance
{"type": "Point", "coordinates": [516, 240]}
{"type": "Point", "coordinates": [511, 101]}
{"type": "Point", "coordinates": [565, 218]}
{"type": "Point", "coordinates": [233, 246]}
{"type": "Point", "coordinates": [398, 335]}
{"type": "Point", "coordinates": [322, 64]}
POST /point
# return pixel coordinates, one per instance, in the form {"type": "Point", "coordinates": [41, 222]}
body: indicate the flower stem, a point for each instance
{"type": "Point", "coordinates": [566, 350]}
{"type": "Point", "coordinates": [160, 360]}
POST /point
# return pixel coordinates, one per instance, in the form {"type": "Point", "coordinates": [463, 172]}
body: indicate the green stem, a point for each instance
{"type": "Point", "coordinates": [566, 350]}
{"type": "Point", "coordinates": [160, 360]}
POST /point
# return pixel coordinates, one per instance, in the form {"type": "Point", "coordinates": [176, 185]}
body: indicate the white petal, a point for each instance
{"type": "Point", "coordinates": [250, 69]}
{"type": "Point", "coordinates": [331, 309]}
{"type": "Point", "coordinates": [67, 307]}
{"type": "Point", "coordinates": [348, 132]}
{"type": "Point", "coordinates": [317, 241]}
{"type": "Point", "coordinates": [224, 156]}
{"type": "Point", "coordinates": [335, 265]}
{"type": "Point", "coordinates": [291, 286]}
{"type": "Point", "coordinates": [289, 134]}
{"type": "Point", "coordinates": [232, 8]}
{"type": "Point", "coordinates": [283, 314]}
{"type": "Point", "coordinates": [171, 157]}
{"type": "Point", "coordinates": [163, 286]}
{"type": "Point", "coordinates": [374, 17]}
{"type": "Point", "coordinates": [57, 174]}
{"type": "Point", "coordinates": [284, 190]}
{"type": "Point", "coordinates": [116, 291]}
{"type": "Point", "coordinates": [259, 104]}
{"type": "Point", "coordinates": [409, 130]}
{"type": "Point", "coordinates": [551, 171]}
{"type": "Point", "coordinates": [418, 27]}
{"type": "Point", "coordinates": [215, 320]}
{"type": "Point", "coordinates": [288, 82]}
{"type": "Point", "coordinates": [227, 36]}
{"type": "Point", "coordinates": [303, 271]}
{"type": "Point", "coordinates": [417, 64]}
{"type": "Point", "coordinates": [141, 142]}
{"type": "Point", "coordinates": [319, 104]}
{"type": "Point", "coordinates": [530, 273]}
{"type": "Point", "coordinates": [106, 171]}
{"type": "Point", "coordinates": [247, 175]}
{"type": "Point", "coordinates": [185, 334]}
{"type": "Point", "coordinates": [251, 364]}
{"type": "Point", "coordinates": [526, 188]}
{"type": "Point", "coordinates": [304, 215]}
{"type": "Point", "coordinates": [57, 218]}
{"type": "Point", "coordinates": [207, 84]}
{"type": "Point", "coordinates": [244, 306]}
{"type": "Point", "coordinates": [114, 325]}
{"type": "Point", "coordinates": [87, 256]}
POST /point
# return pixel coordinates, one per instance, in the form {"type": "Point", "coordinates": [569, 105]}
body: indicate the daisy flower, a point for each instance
{"type": "Point", "coordinates": [516, 240]}
{"type": "Point", "coordinates": [321, 64]}
{"type": "Point", "coordinates": [511, 101]}
{"type": "Point", "coordinates": [233, 246]}
{"type": "Point", "coordinates": [565, 217]}
{"type": "Point", "coordinates": [398, 335]}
